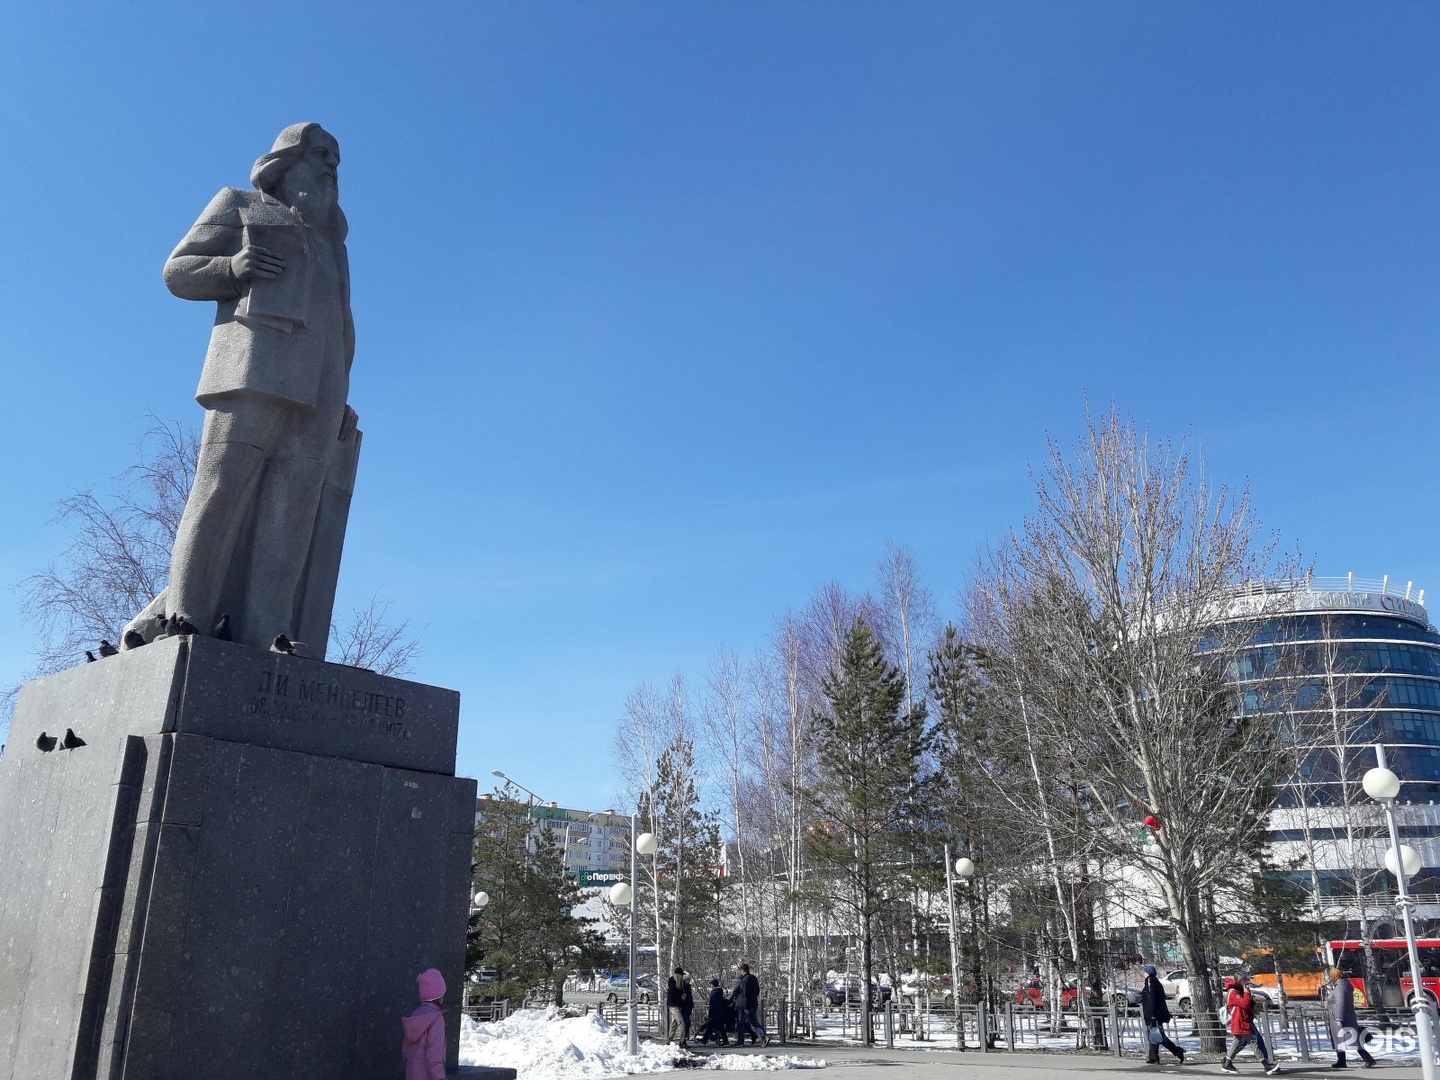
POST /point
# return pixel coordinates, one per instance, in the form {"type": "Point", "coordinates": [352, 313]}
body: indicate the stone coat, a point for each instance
{"type": "Point", "coordinates": [275, 358]}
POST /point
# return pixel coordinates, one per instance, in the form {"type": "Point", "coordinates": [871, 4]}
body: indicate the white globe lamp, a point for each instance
{"type": "Point", "coordinates": [647, 843]}
{"type": "Point", "coordinates": [964, 869]}
{"type": "Point", "coordinates": [481, 898]}
{"type": "Point", "coordinates": [1381, 784]}
{"type": "Point", "coordinates": [620, 893]}
{"type": "Point", "coordinates": [1409, 858]}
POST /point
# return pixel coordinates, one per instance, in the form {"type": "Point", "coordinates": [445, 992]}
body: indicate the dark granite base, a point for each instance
{"type": "Point", "coordinates": [205, 890]}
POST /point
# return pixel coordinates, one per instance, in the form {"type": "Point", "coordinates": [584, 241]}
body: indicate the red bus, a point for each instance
{"type": "Point", "coordinates": [1392, 960]}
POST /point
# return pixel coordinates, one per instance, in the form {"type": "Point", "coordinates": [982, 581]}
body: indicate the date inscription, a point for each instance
{"type": "Point", "coordinates": [311, 701]}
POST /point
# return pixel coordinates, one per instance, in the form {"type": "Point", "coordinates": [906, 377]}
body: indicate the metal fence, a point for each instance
{"type": "Point", "coordinates": [1300, 1028]}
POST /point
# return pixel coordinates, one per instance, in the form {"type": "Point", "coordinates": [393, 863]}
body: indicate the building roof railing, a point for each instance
{"type": "Point", "coordinates": [1383, 586]}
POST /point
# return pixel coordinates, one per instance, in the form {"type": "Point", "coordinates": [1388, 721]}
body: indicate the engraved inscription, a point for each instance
{"type": "Point", "coordinates": [328, 703]}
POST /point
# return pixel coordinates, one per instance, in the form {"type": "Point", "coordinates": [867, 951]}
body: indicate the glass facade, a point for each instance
{"type": "Point", "coordinates": [1368, 677]}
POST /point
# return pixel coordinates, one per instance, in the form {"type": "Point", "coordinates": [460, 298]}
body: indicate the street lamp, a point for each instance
{"type": "Point", "coordinates": [1382, 785]}
{"type": "Point", "coordinates": [964, 869]}
{"type": "Point", "coordinates": [621, 894]}
{"type": "Point", "coordinates": [516, 783]}
{"type": "Point", "coordinates": [477, 905]}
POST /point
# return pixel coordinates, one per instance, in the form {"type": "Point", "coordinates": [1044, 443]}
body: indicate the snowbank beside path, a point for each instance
{"type": "Point", "coordinates": [551, 1044]}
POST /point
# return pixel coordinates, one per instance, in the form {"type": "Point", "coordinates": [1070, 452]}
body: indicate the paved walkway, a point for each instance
{"type": "Point", "coordinates": [856, 1062]}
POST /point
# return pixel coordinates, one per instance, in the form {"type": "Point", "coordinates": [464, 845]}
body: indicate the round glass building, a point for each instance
{"type": "Point", "coordinates": [1362, 661]}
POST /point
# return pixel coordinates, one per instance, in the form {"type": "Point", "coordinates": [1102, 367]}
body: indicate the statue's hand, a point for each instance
{"type": "Point", "coordinates": [256, 262]}
{"type": "Point", "coordinates": [348, 424]}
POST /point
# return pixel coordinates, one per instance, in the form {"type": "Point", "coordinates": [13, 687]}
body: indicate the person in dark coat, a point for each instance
{"type": "Point", "coordinates": [1156, 1012]}
{"type": "Point", "coordinates": [715, 1016]}
{"type": "Point", "coordinates": [746, 997]}
{"type": "Point", "coordinates": [677, 993]}
{"type": "Point", "coordinates": [687, 1002]}
{"type": "Point", "coordinates": [1345, 1030]}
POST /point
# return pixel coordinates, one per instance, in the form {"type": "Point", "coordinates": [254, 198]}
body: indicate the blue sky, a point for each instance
{"type": "Point", "coordinates": [668, 313]}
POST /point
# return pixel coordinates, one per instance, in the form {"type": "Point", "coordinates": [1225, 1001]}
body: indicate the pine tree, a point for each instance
{"type": "Point", "coordinates": [872, 747]}
{"type": "Point", "coordinates": [526, 933]}
{"type": "Point", "coordinates": [684, 866]}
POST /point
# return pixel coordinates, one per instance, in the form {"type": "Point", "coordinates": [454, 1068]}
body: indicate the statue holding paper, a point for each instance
{"type": "Point", "coordinates": [261, 535]}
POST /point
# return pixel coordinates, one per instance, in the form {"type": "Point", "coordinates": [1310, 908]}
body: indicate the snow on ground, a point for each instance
{"type": "Point", "coordinates": [553, 1044]}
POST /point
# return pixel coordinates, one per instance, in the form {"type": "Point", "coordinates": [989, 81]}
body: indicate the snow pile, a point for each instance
{"type": "Point", "coordinates": [549, 1043]}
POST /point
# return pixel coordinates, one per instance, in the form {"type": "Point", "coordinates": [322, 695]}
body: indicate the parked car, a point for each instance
{"type": "Point", "coordinates": [619, 987]}
{"type": "Point", "coordinates": [837, 992]}
{"type": "Point", "coordinates": [933, 988]}
{"type": "Point", "coordinates": [1176, 985]}
{"type": "Point", "coordinates": [1126, 996]}
{"type": "Point", "coordinates": [1031, 992]}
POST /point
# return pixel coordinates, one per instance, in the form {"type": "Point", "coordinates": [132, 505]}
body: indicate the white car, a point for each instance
{"type": "Point", "coordinates": [1176, 985]}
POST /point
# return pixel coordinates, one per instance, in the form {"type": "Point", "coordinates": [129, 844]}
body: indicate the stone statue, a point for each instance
{"type": "Point", "coordinates": [261, 535]}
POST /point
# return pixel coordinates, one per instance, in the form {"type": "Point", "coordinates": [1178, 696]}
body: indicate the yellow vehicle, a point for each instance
{"type": "Point", "coordinates": [1299, 985]}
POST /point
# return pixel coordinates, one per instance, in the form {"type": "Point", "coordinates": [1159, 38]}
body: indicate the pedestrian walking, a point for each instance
{"type": "Point", "coordinates": [1344, 1026]}
{"type": "Point", "coordinates": [423, 1050]}
{"type": "Point", "coordinates": [746, 998]}
{"type": "Point", "coordinates": [687, 1004]}
{"type": "Point", "coordinates": [1242, 1027]}
{"type": "Point", "coordinates": [1156, 1012]}
{"type": "Point", "coordinates": [679, 1001]}
{"type": "Point", "coordinates": [715, 1016]}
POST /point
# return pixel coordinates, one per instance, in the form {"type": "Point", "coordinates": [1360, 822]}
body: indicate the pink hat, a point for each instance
{"type": "Point", "coordinates": [431, 983]}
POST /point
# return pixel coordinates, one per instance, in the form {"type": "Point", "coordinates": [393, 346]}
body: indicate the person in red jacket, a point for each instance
{"type": "Point", "coordinates": [1242, 1027]}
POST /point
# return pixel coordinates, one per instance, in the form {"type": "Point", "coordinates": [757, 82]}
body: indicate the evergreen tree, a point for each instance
{"type": "Point", "coordinates": [874, 790]}
{"type": "Point", "coordinates": [526, 933]}
{"type": "Point", "coordinates": [683, 875]}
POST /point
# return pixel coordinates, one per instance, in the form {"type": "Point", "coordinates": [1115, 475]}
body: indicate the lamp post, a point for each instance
{"type": "Point", "coordinates": [529, 806]}
{"type": "Point", "coordinates": [622, 893]}
{"type": "Point", "coordinates": [477, 905]}
{"type": "Point", "coordinates": [511, 780]}
{"type": "Point", "coordinates": [964, 869]}
{"type": "Point", "coordinates": [1382, 785]}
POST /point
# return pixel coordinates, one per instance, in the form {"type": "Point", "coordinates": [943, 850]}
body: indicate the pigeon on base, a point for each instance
{"type": "Point", "coordinates": [222, 629]}
{"type": "Point", "coordinates": [132, 639]}
{"type": "Point", "coordinates": [46, 743]}
{"type": "Point", "coordinates": [283, 644]}
{"type": "Point", "coordinates": [106, 649]}
{"type": "Point", "coordinates": [71, 740]}
{"type": "Point", "coordinates": [89, 657]}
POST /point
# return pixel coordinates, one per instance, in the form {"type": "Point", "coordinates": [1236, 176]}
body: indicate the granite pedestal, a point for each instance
{"type": "Point", "coordinates": [239, 873]}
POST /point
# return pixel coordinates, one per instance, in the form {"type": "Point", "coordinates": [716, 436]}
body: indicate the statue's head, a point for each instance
{"type": "Point", "coordinates": [301, 170]}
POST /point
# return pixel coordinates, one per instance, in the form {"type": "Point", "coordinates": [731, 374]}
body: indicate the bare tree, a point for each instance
{"type": "Point", "coordinates": [118, 559]}
{"type": "Point", "coordinates": [1113, 612]}
{"type": "Point", "coordinates": [729, 733]}
{"type": "Point", "coordinates": [368, 639]}
{"type": "Point", "coordinates": [119, 552]}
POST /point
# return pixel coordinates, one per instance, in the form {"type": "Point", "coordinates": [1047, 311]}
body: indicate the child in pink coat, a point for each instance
{"type": "Point", "coordinates": [424, 1049]}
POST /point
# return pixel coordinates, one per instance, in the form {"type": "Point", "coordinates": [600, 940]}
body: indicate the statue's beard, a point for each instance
{"type": "Point", "coordinates": [316, 207]}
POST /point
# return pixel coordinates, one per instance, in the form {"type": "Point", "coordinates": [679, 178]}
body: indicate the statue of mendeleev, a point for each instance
{"type": "Point", "coordinates": [257, 552]}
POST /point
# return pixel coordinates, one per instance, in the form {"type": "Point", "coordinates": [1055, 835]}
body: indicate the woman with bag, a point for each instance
{"type": "Point", "coordinates": [1243, 1028]}
{"type": "Point", "coordinates": [1156, 1012]}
